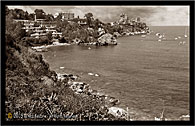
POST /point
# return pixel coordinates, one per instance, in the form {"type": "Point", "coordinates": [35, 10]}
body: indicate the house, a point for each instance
{"type": "Point", "coordinates": [56, 34]}
{"type": "Point", "coordinates": [40, 20]}
{"type": "Point", "coordinates": [82, 21]}
{"type": "Point", "coordinates": [21, 20]}
{"type": "Point", "coordinates": [67, 16]}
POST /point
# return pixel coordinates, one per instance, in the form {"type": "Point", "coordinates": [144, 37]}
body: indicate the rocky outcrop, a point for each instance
{"type": "Point", "coordinates": [107, 39]}
{"type": "Point", "coordinates": [118, 112]}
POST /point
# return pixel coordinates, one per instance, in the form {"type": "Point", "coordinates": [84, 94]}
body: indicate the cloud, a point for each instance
{"type": "Point", "coordinates": [170, 16]}
{"type": "Point", "coordinates": [152, 15]}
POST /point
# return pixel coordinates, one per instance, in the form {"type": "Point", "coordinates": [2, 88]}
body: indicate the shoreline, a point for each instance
{"type": "Point", "coordinates": [129, 114]}
{"type": "Point", "coordinates": [84, 89]}
{"type": "Point", "coordinates": [153, 118]}
{"type": "Point", "coordinates": [43, 48]}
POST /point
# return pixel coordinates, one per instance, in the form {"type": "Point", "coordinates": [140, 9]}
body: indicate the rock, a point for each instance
{"type": "Point", "coordinates": [47, 81]}
{"type": "Point", "coordinates": [107, 39]}
{"type": "Point", "coordinates": [74, 77]}
{"type": "Point", "coordinates": [160, 119]}
{"type": "Point", "coordinates": [116, 34]}
{"type": "Point", "coordinates": [117, 112]}
{"type": "Point", "coordinates": [62, 77]}
{"type": "Point", "coordinates": [70, 75]}
{"type": "Point", "coordinates": [79, 90]}
{"type": "Point", "coordinates": [114, 101]}
{"type": "Point", "coordinates": [185, 117]}
{"type": "Point", "coordinates": [76, 40]}
{"type": "Point", "coordinates": [78, 83]}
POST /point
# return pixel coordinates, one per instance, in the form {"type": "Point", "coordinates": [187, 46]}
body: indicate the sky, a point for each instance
{"type": "Point", "coordinates": [152, 15]}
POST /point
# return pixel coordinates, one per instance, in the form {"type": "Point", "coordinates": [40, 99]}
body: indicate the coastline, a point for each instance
{"type": "Point", "coordinates": [135, 81]}
{"type": "Point", "coordinates": [84, 89]}
{"type": "Point", "coordinates": [152, 117]}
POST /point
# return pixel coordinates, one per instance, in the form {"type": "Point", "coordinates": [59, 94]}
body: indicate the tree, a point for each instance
{"type": "Point", "coordinates": [6, 10]}
{"type": "Point", "coordinates": [49, 36]}
{"type": "Point", "coordinates": [29, 33]}
{"type": "Point", "coordinates": [40, 14]}
{"type": "Point", "coordinates": [36, 24]}
{"type": "Point", "coordinates": [18, 14]}
{"type": "Point", "coordinates": [14, 29]}
{"type": "Point", "coordinates": [59, 17]}
{"type": "Point", "coordinates": [89, 17]}
{"type": "Point", "coordinates": [31, 17]}
{"type": "Point", "coordinates": [49, 17]}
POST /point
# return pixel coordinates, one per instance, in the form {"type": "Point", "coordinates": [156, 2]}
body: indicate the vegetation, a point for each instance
{"type": "Point", "coordinates": [71, 29]}
{"type": "Point", "coordinates": [32, 88]}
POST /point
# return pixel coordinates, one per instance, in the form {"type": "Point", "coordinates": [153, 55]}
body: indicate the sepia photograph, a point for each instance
{"type": "Point", "coordinates": [97, 63]}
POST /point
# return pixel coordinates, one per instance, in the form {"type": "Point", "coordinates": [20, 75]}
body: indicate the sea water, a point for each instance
{"type": "Point", "coordinates": [146, 74]}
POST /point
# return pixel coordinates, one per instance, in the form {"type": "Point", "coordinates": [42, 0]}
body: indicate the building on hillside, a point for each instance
{"type": "Point", "coordinates": [56, 34]}
{"type": "Point", "coordinates": [82, 21]}
{"type": "Point", "coordinates": [41, 27]}
{"type": "Point", "coordinates": [123, 19]}
{"type": "Point", "coordinates": [40, 20]}
{"type": "Point", "coordinates": [67, 16]}
{"type": "Point", "coordinates": [21, 20]}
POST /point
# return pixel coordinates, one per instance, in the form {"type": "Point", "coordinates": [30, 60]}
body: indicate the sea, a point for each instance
{"type": "Point", "coordinates": [147, 74]}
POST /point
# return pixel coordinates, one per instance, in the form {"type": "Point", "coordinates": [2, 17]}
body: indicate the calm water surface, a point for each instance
{"type": "Point", "coordinates": [141, 72]}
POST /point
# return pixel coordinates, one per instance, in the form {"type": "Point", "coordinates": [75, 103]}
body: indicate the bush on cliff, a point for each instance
{"type": "Point", "coordinates": [32, 88]}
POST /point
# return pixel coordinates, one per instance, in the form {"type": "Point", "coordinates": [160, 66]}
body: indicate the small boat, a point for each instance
{"type": "Point", "coordinates": [160, 36]}
{"type": "Point", "coordinates": [61, 67]}
{"type": "Point", "coordinates": [96, 75]}
{"type": "Point", "coordinates": [91, 74]}
{"type": "Point", "coordinates": [157, 34]}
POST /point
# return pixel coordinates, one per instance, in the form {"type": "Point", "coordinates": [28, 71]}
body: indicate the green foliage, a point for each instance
{"type": "Point", "coordinates": [89, 17]}
{"type": "Point", "coordinates": [31, 87]}
{"type": "Point", "coordinates": [28, 33]}
{"type": "Point", "coordinates": [14, 30]}
{"type": "Point", "coordinates": [40, 14]}
{"type": "Point", "coordinates": [49, 17]}
{"type": "Point", "coordinates": [49, 36]}
{"type": "Point", "coordinates": [63, 40]}
{"type": "Point", "coordinates": [36, 24]}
